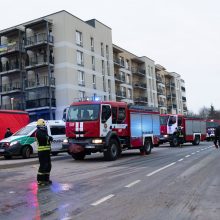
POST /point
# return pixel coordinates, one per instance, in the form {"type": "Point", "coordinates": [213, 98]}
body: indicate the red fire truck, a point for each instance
{"type": "Point", "coordinates": [191, 129]}
{"type": "Point", "coordinates": [110, 127]}
{"type": "Point", "coordinates": [13, 119]}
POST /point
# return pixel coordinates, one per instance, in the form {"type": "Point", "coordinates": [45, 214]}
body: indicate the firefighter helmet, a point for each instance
{"type": "Point", "coordinates": [40, 122]}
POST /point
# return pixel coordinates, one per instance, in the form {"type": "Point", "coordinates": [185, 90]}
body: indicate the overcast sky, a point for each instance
{"type": "Point", "coordinates": [181, 35]}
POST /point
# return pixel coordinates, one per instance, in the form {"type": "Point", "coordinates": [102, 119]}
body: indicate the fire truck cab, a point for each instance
{"type": "Point", "coordinates": [110, 127]}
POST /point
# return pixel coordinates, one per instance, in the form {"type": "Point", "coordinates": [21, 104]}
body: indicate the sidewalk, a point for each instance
{"type": "Point", "coordinates": [19, 162]}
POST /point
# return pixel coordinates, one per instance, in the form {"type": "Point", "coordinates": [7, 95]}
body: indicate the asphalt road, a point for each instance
{"type": "Point", "coordinates": [171, 183]}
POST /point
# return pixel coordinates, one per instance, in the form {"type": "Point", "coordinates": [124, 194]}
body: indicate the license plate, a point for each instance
{"type": "Point", "coordinates": [2, 150]}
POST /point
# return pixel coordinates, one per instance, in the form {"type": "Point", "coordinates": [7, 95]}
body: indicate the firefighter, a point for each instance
{"type": "Point", "coordinates": [217, 137]}
{"type": "Point", "coordinates": [8, 133]}
{"type": "Point", "coordinates": [179, 135]}
{"type": "Point", "coordinates": [44, 148]}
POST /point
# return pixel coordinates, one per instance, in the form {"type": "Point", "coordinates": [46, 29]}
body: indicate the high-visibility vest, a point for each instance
{"type": "Point", "coordinates": [43, 148]}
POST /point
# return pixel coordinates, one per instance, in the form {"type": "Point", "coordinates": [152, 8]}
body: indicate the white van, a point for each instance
{"type": "Point", "coordinates": [23, 142]}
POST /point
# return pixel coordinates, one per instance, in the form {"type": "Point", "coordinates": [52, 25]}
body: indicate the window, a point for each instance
{"type": "Point", "coordinates": [109, 85]}
{"type": "Point", "coordinates": [92, 43]}
{"type": "Point", "coordinates": [102, 49]}
{"type": "Point", "coordinates": [94, 81]}
{"type": "Point", "coordinates": [79, 38]}
{"type": "Point", "coordinates": [104, 84]}
{"type": "Point", "coordinates": [103, 67]}
{"type": "Point", "coordinates": [106, 113]}
{"type": "Point", "coordinates": [108, 68]}
{"type": "Point", "coordinates": [79, 56]}
{"type": "Point", "coordinates": [123, 92]}
{"type": "Point", "coordinates": [81, 78]}
{"type": "Point", "coordinates": [107, 52]}
{"type": "Point", "coordinates": [57, 130]}
{"type": "Point", "coordinates": [93, 63]}
{"type": "Point", "coordinates": [127, 66]}
{"type": "Point", "coordinates": [81, 95]}
{"type": "Point", "coordinates": [122, 61]}
{"type": "Point", "coordinates": [129, 93]}
{"type": "Point", "coordinates": [128, 79]}
{"type": "Point", "coordinates": [121, 115]}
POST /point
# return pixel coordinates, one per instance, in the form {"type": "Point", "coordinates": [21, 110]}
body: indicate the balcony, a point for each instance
{"type": "Point", "coordinates": [16, 106]}
{"type": "Point", "coordinates": [119, 78]}
{"type": "Point", "coordinates": [140, 99]}
{"type": "Point", "coordinates": [160, 92]}
{"type": "Point", "coordinates": [159, 79]}
{"type": "Point", "coordinates": [138, 71]}
{"type": "Point", "coordinates": [183, 99]}
{"type": "Point", "coordinates": [41, 82]}
{"type": "Point", "coordinates": [120, 94]}
{"type": "Point", "coordinates": [11, 88]}
{"type": "Point", "coordinates": [39, 103]}
{"type": "Point", "coordinates": [38, 62]}
{"type": "Point", "coordinates": [11, 48]}
{"type": "Point", "coordinates": [39, 39]}
{"type": "Point", "coordinates": [9, 68]}
{"type": "Point", "coordinates": [183, 88]}
{"type": "Point", "coordinates": [118, 62]}
{"type": "Point", "coordinates": [140, 85]}
{"type": "Point", "coordinates": [161, 104]}
{"type": "Point", "coordinates": [184, 108]}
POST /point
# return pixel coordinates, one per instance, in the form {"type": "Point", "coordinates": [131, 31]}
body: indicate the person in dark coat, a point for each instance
{"type": "Point", "coordinates": [217, 137]}
{"type": "Point", "coordinates": [44, 149]}
{"type": "Point", "coordinates": [8, 133]}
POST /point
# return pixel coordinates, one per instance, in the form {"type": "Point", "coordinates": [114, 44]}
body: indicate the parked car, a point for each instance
{"type": "Point", "coordinates": [23, 142]}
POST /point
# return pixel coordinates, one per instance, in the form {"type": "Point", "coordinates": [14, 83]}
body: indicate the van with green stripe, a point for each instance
{"type": "Point", "coordinates": [23, 142]}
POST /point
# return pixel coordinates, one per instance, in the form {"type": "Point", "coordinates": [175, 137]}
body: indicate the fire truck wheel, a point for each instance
{"type": "Point", "coordinates": [26, 152]}
{"type": "Point", "coordinates": [112, 152]}
{"type": "Point", "coordinates": [147, 146]}
{"type": "Point", "coordinates": [78, 156]}
{"type": "Point", "coordinates": [174, 142]}
{"type": "Point", "coordinates": [196, 140]}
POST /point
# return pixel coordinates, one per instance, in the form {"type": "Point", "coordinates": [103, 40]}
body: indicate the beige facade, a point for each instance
{"type": "Point", "coordinates": [135, 80]}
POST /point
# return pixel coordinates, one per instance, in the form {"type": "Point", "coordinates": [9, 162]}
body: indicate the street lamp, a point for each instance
{"type": "Point", "coordinates": [12, 103]}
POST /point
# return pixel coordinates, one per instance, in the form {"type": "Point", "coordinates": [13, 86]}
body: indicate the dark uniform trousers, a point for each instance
{"type": "Point", "coordinates": [45, 166]}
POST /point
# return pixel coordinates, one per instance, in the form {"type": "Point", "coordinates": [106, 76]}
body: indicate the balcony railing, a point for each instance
{"type": "Point", "coordinates": [140, 85]}
{"type": "Point", "coordinates": [161, 104]}
{"type": "Point", "coordinates": [39, 39]}
{"type": "Point", "coordinates": [11, 47]}
{"type": "Point", "coordinates": [159, 79]}
{"type": "Point", "coordinates": [119, 78]}
{"type": "Point", "coordinates": [11, 87]}
{"type": "Point", "coordinates": [121, 94]}
{"type": "Point", "coordinates": [9, 67]}
{"type": "Point", "coordinates": [39, 103]}
{"type": "Point", "coordinates": [40, 60]}
{"type": "Point", "coordinates": [16, 106]}
{"type": "Point", "coordinates": [40, 82]}
{"type": "Point", "coordinates": [140, 99]}
{"type": "Point", "coordinates": [138, 71]}
{"type": "Point", "coordinates": [160, 92]}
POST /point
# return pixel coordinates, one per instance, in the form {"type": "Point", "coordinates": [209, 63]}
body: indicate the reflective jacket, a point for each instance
{"type": "Point", "coordinates": [43, 139]}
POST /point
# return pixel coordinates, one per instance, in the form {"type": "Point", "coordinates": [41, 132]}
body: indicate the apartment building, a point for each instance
{"type": "Point", "coordinates": [135, 80]}
{"type": "Point", "coordinates": [161, 88]}
{"type": "Point", "coordinates": [170, 91]}
{"type": "Point", "coordinates": [49, 62]}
